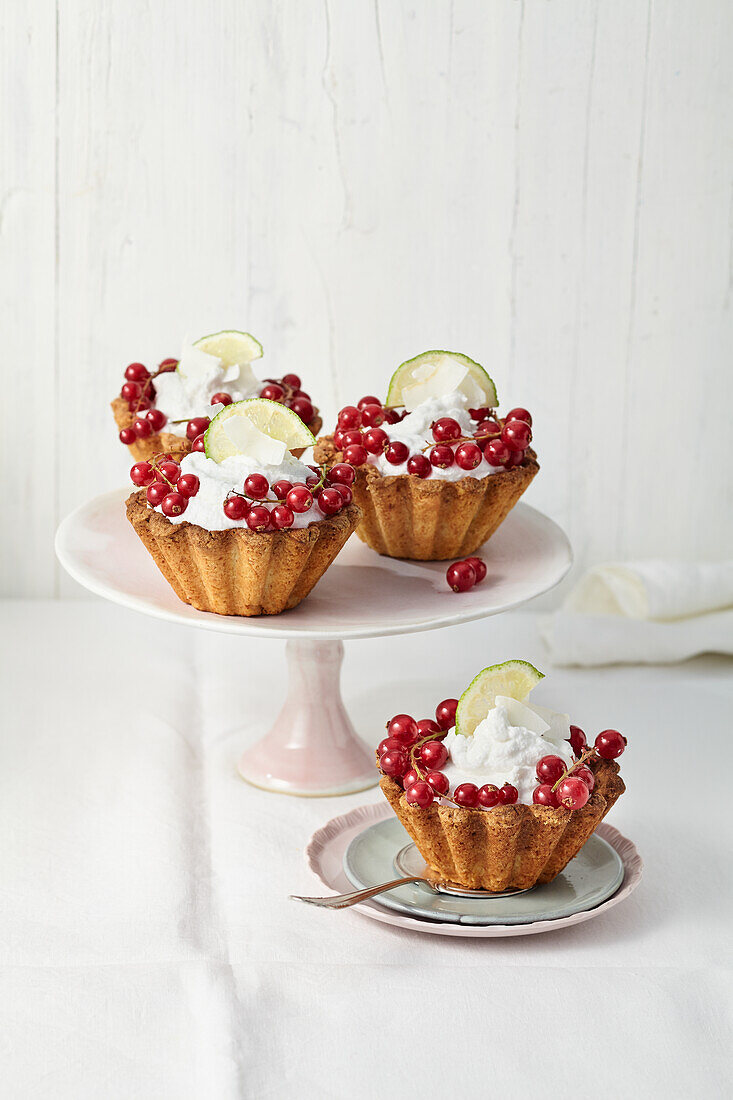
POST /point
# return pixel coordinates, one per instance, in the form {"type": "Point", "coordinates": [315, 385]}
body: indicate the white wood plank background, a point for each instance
{"type": "Point", "coordinates": [546, 186]}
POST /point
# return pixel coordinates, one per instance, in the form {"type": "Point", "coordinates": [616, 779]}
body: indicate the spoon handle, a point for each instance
{"type": "Point", "coordinates": [343, 901]}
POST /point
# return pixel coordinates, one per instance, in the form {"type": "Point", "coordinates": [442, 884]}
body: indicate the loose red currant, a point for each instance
{"type": "Point", "coordinates": [355, 455]}
{"type": "Point", "coordinates": [446, 429]}
{"type": "Point", "coordinates": [292, 380]}
{"type": "Point", "coordinates": [257, 486]}
{"type": "Point", "coordinates": [156, 492]}
{"type": "Point", "coordinates": [388, 744]}
{"type": "Point", "coordinates": [341, 473]}
{"type": "Point", "coordinates": [403, 728]}
{"type": "Point", "coordinates": [426, 726]}
{"type": "Point", "coordinates": [156, 419]}
{"type": "Point", "coordinates": [466, 794]}
{"type": "Point", "coordinates": [221, 399]}
{"type": "Point", "coordinates": [281, 489]}
{"type": "Point", "coordinates": [174, 504]}
{"type": "Point", "coordinates": [136, 372]}
{"type": "Point", "coordinates": [442, 456]}
{"type": "Point", "coordinates": [394, 763]}
{"type": "Point", "coordinates": [397, 453]}
{"type": "Point", "coordinates": [330, 501]}
{"type": "Point", "coordinates": [128, 436]}
{"type": "Point", "coordinates": [130, 391]}
{"type": "Point", "coordinates": [577, 740]}
{"type": "Point", "coordinates": [142, 473]}
{"type": "Point", "coordinates": [372, 416]}
{"type": "Point", "coordinates": [349, 417]}
{"type": "Point", "coordinates": [479, 568]}
{"type": "Point", "coordinates": [258, 518]}
{"type": "Point", "coordinates": [508, 794]}
{"type": "Point", "coordinates": [468, 456]}
{"type": "Point", "coordinates": [419, 794]}
{"type": "Point", "coordinates": [303, 407]}
{"type": "Point", "coordinates": [516, 434]}
{"type": "Point", "coordinates": [549, 769]}
{"type": "Point", "coordinates": [445, 713]}
{"type": "Point", "coordinates": [345, 492]}
{"type": "Point", "coordinates": [300, 498]}
{"type": "Point", "coordinates": [478, 414]}
{"type": "Point", "coordinates": [272, 392]}
{"type": "Point", "coordinates": [584, 773]}
{"type": "Point", "coordinates": [142, 429]}
{"type": "Point", "coordinates": [460, 576]}
{"type": "Point", "coordinates": [572, 793]}
{"type": "Point", "coordinates": [519, 414]}
{"type": "Point", "coordinates": [497, 453]}
{"type": "Point", "coordinates": [188, 485]}
{"type": "Point", "coordinates": [198, 444]}
{"type": "Point", "coordinates": [419, 466]}
{"type": "Point", "coordinates": [610, 744]}
{"type": "Point", "coordinates": [236, 507]}
{"type": "Point", "coordinates": [433, 754]}
{"type": "Point", "coordinates": [169, 470]}
{"type": "Point", "coordinates": [438, 781]}
{"type": "Point", "coordinates": [197, 426]}
{"type": "Point", "coordinates": [282, 517]}
{"type": "Point", "coordinates": [369, 400]}
{"type": "Point", "coordinates": [488, 796]}
{"type": "Point", "coordinates": [544, 795]}
{"type": "Point", "coordinates": [375, 441]}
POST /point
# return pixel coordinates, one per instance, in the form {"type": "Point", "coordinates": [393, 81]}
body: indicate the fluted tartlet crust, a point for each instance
{"type": "Point", "coordinates": [508, 847]}
{"type": "Point", "coordinates": [142, 450]}
{"type": "Point", "coordinates": [431, 520]}
{"type": "Point", "coordinates": [238, 571]}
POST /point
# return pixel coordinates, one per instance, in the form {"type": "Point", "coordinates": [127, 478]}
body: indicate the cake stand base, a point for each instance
{"type": "Point", "coordinates": [312, 749]}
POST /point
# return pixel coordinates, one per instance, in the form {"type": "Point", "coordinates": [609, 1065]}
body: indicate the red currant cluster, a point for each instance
{"type": "Point", "coordinates": [560, 785]}
{"type": "Point", "coordinates": [166, 485]}
{"type": "Point", "coordinates": [329, 490]}
{"type": "Point", "coordinates": [139, 392]}
{"type": "Point", "coordinates": [462, 575]}
{"type": "Point", "coordinates": [287, 391]}
{"type": "Point", "coordinates": [502, 442]}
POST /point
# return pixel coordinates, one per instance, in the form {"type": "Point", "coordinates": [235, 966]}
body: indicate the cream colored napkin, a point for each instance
{"type": "Point", "coordinates": [650, 612]}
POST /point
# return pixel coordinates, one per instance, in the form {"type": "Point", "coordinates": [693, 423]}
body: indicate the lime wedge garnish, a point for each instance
{"type": "Point", "coordinates": [436, 373]}
{"type": "Point", "coordinates": [247, 427]}
{"type": "Point", "coordinates": [231, 347]}
{"type": "Point", "coordinates": [513, 678]}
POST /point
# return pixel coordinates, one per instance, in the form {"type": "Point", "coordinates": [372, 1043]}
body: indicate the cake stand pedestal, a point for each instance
{"type": "Point", "coordinates": [313, 748]}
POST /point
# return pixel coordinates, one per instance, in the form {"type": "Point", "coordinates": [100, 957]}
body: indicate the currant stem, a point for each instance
{"type": "Point", "coordinates": [576, 764]}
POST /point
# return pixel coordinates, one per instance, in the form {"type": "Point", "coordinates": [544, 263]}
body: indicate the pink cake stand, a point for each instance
{"type": "Point", "coordinates": [313, 749]}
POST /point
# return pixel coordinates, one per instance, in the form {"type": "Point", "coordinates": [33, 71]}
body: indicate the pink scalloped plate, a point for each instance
{"type": "Point", "coordinates": [325, 856]}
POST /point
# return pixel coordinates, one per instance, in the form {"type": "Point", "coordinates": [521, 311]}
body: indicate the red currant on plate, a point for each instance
{"type": "Point", "coordinates": [479, 568]}
{"type": "Point", "coordinates": [174, 504]}
{"type": "Point", "coordinates": [544, 795]}
{"type": "Point", "coordinates": [433, 754]}
{"type": "Point", "coordinates": [577, 740]}
{"type": "Point", "coordinates": [394, 763]}
{"type": "Point", "coordinates": [466, 794]}
{"type": "Point", "coordinates": [438, 781]}
{"type": "Point", "coordinates": [572, 793]}
{"type": "Point", "coordinates": [446, 430]}
{"type": "Point", "coordinates": [445, 713]}
{"type": "Point", "coordinates": [610, 744]}
{"type": "Point", "coordinates": [403, 728]}
{"type": "Point", "coordinates": [488, 796]}
{"type": "Point", "coordinates": [419, 794]}
{"type": "Point", "coordinates": [188, 485]}
{"type": "Point", "coordinates": [236, 508]}
{"type": "Point", "coordinates": [419, 466]}
{"type": "Point", "coordinates": [508, 794]}
{"type": "Point", "coordinates": [461, 576]}
{"type": "Point", "coordinates": [549, 769]}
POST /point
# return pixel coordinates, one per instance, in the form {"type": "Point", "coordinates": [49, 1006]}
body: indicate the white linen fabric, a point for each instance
{"type": "Point", "coordinates": [648, 611]}
{"type": "Point", "coordinates": [148, 945]}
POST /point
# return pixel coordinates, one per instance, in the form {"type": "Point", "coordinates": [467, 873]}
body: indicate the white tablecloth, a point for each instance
{"type": "Point", "coordinates": [148, 947]}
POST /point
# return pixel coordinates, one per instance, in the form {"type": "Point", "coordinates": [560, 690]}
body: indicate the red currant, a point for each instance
{"type": "Point", "coordinates": [508, 794]}
{"type": "Point", "coordinates": [312, 481]}
{"type": "Point", "coordinates": [341, 473]}
{"type": "Point", "coordinates": [188, 485]}
{"type": "Point", "coordinates": [479, 568]}
{"type": "Point", "coordinates": [460, 576]}
{"type": "Point", "coordinates": [544, 795]}
{"type": "Point", "coordinates": [257, 486]}
{"type": "Point", "coordinates": [419, 466]}
{"type": "Point", "coordinates": [156, 419]}
{"type": "Point", "coordinates": [433, 754]}
{"type": "Point", "coordinates": [515, 459]}
{"type": "Point", "coordinates": [410, 775]}
{"type": "Point", "coordinates": [303, 407]}
{"type": "Point", "coordinates": [388, 744]}
{"type": "Point", "coordinates": [549, 769]}
{"type": "Point", "coordinates": [516, 434]}
{"type": "Point", "coordinates": [394, 763]}
{"type": "Point", "coordinates": [519, 414]}
{"type": "Point", "coordinates": [577, 740]}
{"type": "Point", "coordinates": [426, 726]}
{"type": "Point", "coordinates": [142, 473]}
{"type": "Point", "coordinates": [468, 456]}
{"type": "Point", "coordinates": [445, 713]}
{"type": "Point", "coordinates": [282, 517]}
{"type": "Point", "coordinates": [169, 470]}
{"type": "Point", "coordinates": [610, 744]}
{"type": "Point", "coordinates": [438, 781]}
{"type": "Point", "coordinates": [128, 436]}
{"type": "Point", "coordinates": [300, 498]}
{"type": "Point", "coordinates": [442, 456]}
{"type": "Point", "coordinates": [258, 518]}
{"type": "Point", "coordinates": [198, 444]}
{"type": "Point", "coordinates": [221, 399]}
{"type": "Point", "coordinates": [156, 492]}
{"type": "Point", "coordinates": [345, 492]}
{"type": "Point", "coordinates": [174, 504]}
{"type": "Point", "coordinates": [446, 430]}
{"type": "Point", "coordinates": [236, 507]}
{"type": "Point", "coordinates": [291, 380]}
{"type": "Point", "coordinates": [369, 400]}
{"type": "Point", "coordinates": [350, 437]}
{"type": "Point", "coordinates": [349, 417]}
{"type": "Point", "coordinates": [372, 416]}
{"type": "Point", "coordinates": [397, 453]}
{"type": "Point", "coordinates": [141, 404]}
{"type": "Point", "coordinates": [166, 365]}
{"type": "Point", "coordinates": [136, 372]}
{"type": "Point", "coordinates": [584, 773]}
{"type": "Point", "coordinates": [330, 501]}
{"type": "Point", "coordinates": [497, 453]}
{"type": "Point", "coordinates": [272, 392]}
{"type": "Point", "coordinates": [488, 796]}
{"type": "Point", "coordinates": [393, 416]}
{"type": "Point", "coordinates": [355, 455]}
{"type": "Point", "coordinates": [130, 391]}
{"type": "Point", "coordinates": [572, 793]}
{"type": "Point", "coordinates": [142, 429]}
{"type": "Point", "coordinates": [403, 728]}
{"type": "Point", "coordinates": [419, 794]}
{"type": "Point", "coordinates": [197, 426]}
{"type": "Point", "coordinates": [375, 441]}
{"type": "Point", "coordinates": [478, 414]}
{"type": "Point", "coordinates": [281, 489]}
{"type": "Point", "coordinates": [487, 427]}
{"type": "Point", "coordinates": [466, 794]}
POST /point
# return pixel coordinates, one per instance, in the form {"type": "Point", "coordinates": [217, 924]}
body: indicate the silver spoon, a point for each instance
{"type": "Point", "coordinates": [343, 901]}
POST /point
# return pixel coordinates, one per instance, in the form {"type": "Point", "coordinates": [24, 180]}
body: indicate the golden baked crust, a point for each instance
{"type": "Point", "coordinates": [507, 847]}
{"type": "Point", "coordinates": [142, 450]}
{"type": "Point", "coordinates": [431, 520]}
{"type": "Point", "coordinates": [238, 571]}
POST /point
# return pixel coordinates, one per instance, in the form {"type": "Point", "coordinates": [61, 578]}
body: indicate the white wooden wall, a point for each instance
{"type": "Point", "coordinates": [544, 185]}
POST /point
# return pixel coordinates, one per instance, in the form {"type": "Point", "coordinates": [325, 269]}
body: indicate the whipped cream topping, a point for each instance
{"type": "Point", "coordinates": [187, 391]}
{"type": "Point", "coordinates": [506, 746]}
{"type": "Point", "coordinates": [206, 509]}
{"type": "Point", "coordinates": [415, 432]}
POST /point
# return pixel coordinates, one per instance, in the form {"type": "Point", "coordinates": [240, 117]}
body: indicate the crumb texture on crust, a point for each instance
{"type": "Point", "coordinates": [431, 520]}
{"type": "Point", "coordinates": [508, 847]}
{"type": "Point", "coordinates": [238, 571]}
{"type": "Point", "coordinates": [142, 450]}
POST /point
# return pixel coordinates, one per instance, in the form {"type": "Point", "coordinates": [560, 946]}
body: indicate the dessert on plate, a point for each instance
{"type": "Point", "coordinates": [170, 408]}
{"type": "Point", "coordinates": [243, 527]}
{"type": "Point", "coordinates": [498, 793]}
{"type": "Point", "coordinates": [437, 469]}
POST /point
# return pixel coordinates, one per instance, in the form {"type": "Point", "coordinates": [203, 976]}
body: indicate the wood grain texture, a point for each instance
{"type": "Point", "coordinates": [547, 187]}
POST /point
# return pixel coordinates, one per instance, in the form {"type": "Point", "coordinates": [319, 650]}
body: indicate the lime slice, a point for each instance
{"type": "Point", "coordinates": [435, 373]}
{"type": "Point", "coordinates": [252, 427]}
{"type": "Point", "coordinates": [513, 678]}
{"type": "Point", "coordinates": [231, 347]}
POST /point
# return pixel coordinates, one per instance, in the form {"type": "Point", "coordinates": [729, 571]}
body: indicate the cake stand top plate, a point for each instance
{"type": "Point", "coordinates": [362, 595]}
